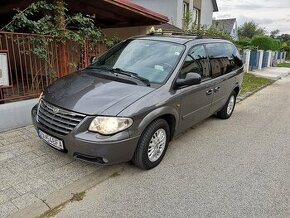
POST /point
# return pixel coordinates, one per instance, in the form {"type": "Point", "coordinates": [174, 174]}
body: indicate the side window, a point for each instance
{"type": "Point", "coordinates": [218, 58]}
{"type": "Point", "coordinates": [197, 62]}
{"type": "Point", "coordinates": [224, 58]}
{"type": "Point", "coordinates": [237, 60]}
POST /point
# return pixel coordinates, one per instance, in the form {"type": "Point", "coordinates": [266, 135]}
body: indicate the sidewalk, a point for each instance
{"type": "Point", "coordinates": [274, 73]}
{"type": "Point", "coordinates": [33, 173]}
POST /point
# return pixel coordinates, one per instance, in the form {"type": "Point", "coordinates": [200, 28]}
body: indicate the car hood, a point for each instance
{"type": "Point", "coordinates": [93, 94]}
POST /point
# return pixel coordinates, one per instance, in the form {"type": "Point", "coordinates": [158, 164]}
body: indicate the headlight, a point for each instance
{"type": "Point", "coordinates": [110, 125]}
{"type": "Point", "coordinates": [40, 97]}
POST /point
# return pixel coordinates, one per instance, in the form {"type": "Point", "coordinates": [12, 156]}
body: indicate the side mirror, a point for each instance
{"type": "Point", "coordinates": [93, 59]}
{"type": "Point", "coordinates": [189, 80]}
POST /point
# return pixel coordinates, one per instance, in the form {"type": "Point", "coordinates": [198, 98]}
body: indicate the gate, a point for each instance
{"type": "Point", "coordinates": [265, 59]}
{"type": "Point", "coordinates": [254, 60]}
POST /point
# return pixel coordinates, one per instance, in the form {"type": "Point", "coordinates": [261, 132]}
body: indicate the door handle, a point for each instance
{"type": "Point", "coordinates": [209, 92]}
{"type": "Point", "coordinates": [217, 89]}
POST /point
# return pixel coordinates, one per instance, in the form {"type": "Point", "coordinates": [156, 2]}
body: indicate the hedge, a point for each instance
{"type": "Point", "coordinates": [266, 43]}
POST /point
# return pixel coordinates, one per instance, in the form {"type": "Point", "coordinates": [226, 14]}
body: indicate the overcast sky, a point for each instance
{"type": "Point", "coordinates": [269, 14]}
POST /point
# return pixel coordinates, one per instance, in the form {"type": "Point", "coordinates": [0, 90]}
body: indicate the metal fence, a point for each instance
{"type": "Point", "coordinates": [29, 63]}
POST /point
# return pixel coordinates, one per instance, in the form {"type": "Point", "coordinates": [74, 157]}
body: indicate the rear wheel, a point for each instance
{"type": "Point", "coordinates": [227, 111]}
{"type": "Point", "coordinates": [152, 145]}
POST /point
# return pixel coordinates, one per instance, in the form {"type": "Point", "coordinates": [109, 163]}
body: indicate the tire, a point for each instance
{"type": "Point", "coordinates": [224, 113]}
{"type": "Point", "coordinates": [141, 157]}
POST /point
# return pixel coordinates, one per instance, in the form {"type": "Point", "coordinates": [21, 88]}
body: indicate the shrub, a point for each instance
{"type": "Point", "coordinates": [266, 43]}
{"type": "Point", "coordinates": [245, 43]}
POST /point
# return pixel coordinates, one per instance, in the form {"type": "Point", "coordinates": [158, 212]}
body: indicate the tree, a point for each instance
{"type": "Point", "coordinates": [45, 18]}
{"type": "Point", "coordinates": [250, 29]}
{"type": "Point", "coordinates": [285, 38]}
{"type": "Point", "coordinates": [274, 33]}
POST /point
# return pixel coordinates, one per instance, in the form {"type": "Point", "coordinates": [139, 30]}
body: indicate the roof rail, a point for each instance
{"type": "Point", "coordinates": [207, 37]}
{"type": "Point", "coordinates": [171, 33]}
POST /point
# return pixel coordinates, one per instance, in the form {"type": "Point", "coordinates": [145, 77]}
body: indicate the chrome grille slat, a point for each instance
{"type": "Point", "coordinates": [64, 116]}
{"type": "Point", "coordinates": [56, 119]}
{"type": "Point", "coordinates": [51, 127]}
{"type": "Point", "coordinates": [55, 123]}
{"type": "Point", "coordinates": [51, 116]}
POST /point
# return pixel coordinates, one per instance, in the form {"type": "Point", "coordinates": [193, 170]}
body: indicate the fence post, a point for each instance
{"type": "Point", "coordinates": [269, 58]}
{"type": "Point", "coordinates": [246, 55]}
{"type": "Point", "coordinates": [63, 60]}
{"type": "Point", "coordinates": [278, 57]}
{"type": "Point", "coordinates": [283, 57]}
{"type": "Point", "coordinates": [1, 95]}
{"type": "Point", "coordinates": [260, 60]}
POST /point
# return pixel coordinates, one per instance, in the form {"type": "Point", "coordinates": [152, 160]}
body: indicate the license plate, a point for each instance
{"type": "Point", "coordinates": [52, 141]}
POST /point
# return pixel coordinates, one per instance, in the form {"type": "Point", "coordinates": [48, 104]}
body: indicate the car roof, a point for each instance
{"type": "Point", "coordinates": [180, 39]}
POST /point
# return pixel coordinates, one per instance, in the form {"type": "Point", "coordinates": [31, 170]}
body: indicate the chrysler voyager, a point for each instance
{"type": "Point", "coordinates": [129, 103]}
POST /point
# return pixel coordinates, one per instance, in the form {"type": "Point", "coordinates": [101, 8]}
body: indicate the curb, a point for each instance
{"type": "Point", "coordinates": [61, 197]}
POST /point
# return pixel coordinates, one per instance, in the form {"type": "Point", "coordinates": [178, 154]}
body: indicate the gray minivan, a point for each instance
{"type": "Point", "coordinates": [135, 98]}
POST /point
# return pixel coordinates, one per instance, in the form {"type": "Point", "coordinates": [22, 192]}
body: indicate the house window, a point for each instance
{"type": "Point", "coordinates": [196, 17]}
{"type": "Point", "coordinates": [185, 7]}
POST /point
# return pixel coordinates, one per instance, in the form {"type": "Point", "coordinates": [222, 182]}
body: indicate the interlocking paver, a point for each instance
{"type": "Point", "coordinates": [30, 170]}
{"type": "Point", "coordinates": [5, 156]}
{"type": "Point", "coordinates": [25, 200]}
{"type": "Point", "coordinates": [7, 209]}
{"type": "Point", "coordinates": [4, 184]}
{"type": "Point", "coordinates": [43, 191]}
{"type": "Point", "coordinates": [8, 194]}
{"type": "Point", "coordinates": [29, 185]}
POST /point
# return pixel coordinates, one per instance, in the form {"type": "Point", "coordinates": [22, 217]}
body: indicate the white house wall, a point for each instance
{"type": "Point", "coordinates": [170, 8]}
{"type": "Point", "coordinates": [206, 13]}
{"type": "Point", "coordinates": [234, 33]}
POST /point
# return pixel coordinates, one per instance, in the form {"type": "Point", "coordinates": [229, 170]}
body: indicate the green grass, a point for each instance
{"type": "Point", "coordinates": [253, 83]}
{"type": "Point", "coordinates": [284, 65]}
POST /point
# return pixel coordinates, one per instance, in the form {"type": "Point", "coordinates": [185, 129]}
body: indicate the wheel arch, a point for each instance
{"type": "Point", "coordinates": [170, 115]}
{"type": "Point", "coordinates": [237, 90]}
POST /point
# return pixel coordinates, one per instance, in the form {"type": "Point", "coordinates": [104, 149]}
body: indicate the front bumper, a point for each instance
{"type": "Point", "coordinates": [92, 147]}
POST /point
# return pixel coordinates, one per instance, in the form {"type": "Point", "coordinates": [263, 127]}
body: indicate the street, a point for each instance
{"type": "Point", "coordinates": [234, 168]}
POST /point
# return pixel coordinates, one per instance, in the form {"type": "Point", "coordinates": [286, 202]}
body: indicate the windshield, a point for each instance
{"type": "Point", "coordinates": [148, 59]}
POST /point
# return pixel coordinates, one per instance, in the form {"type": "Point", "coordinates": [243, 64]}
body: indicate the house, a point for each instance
{"type": "Point", "coordinates": [23, 75]}
{"type": "Point", "coordinates": [229, 26]}
{"type": "Point", "coordinates": [202, 10]}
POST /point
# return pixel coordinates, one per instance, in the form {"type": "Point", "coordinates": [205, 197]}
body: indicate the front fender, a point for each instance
{"type": "Point", "coordinates": [153, 115]}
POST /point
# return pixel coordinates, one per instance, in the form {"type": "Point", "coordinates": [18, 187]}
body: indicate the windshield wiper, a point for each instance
{"type": "Point", "coordinates": [131, 74]}
{"type": "Point", "coordinates": [123, 72]}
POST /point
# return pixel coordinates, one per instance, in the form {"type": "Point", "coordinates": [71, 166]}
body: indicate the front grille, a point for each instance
{"type": "Point", "coordinates": [57, 120]}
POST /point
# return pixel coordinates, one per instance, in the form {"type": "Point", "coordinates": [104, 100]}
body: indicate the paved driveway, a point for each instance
{"type": "Point", "coordinates": [234, 168]}
{"type": "Point", "coordinates": [30, 170]}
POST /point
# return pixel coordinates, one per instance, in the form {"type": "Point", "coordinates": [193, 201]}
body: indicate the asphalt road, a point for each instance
{"type": "Point", "coordinates": [234, 168]}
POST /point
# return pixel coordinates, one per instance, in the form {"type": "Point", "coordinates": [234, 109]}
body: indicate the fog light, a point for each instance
{"type": "Point", "coordinates": [34, 111]}
{"type": "Point", "coordinates": [105, 160]}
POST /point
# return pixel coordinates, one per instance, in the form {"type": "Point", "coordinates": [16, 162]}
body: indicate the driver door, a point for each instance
{"type": "Point", "coordinates": [196, 100]}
